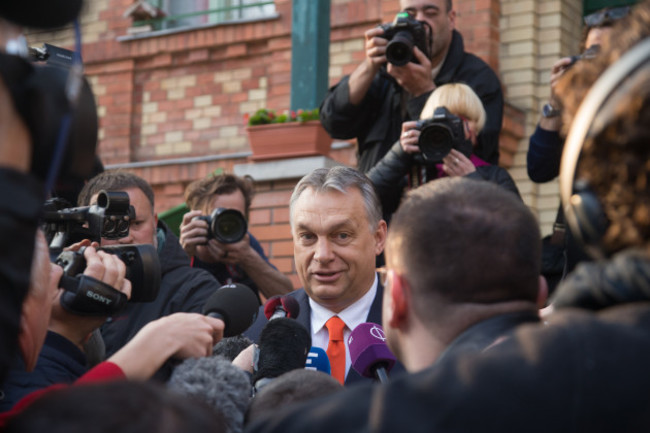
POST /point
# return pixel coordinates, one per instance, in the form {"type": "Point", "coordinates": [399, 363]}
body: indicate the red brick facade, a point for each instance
{"type": "Point", "coordinates": [184, 94]}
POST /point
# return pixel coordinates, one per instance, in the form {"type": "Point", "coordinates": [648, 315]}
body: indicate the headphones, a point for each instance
{"type": "Point", "coordinates": [582, 208]}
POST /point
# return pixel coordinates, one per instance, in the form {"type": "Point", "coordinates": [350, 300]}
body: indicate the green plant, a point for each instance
{"type": "Point", "coordinates": [265, 116]}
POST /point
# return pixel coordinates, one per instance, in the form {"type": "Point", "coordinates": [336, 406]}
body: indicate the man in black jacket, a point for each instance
{"type": "Point", "coordinates": [182, 288]}
{"type": "Point", "coordinates": [372, 103]}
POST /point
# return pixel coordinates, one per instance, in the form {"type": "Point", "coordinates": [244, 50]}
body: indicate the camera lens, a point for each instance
{"type": "Point", "coordinates": [228, 225]}
{"type": "Point", "coordinates": [122, 228]}
{"type": "Point", "coordinates": [399, 50]}
{"type": "Point", "coordinates": [109, 228]}
{"type": "Point", "coordinates": [436, 141]}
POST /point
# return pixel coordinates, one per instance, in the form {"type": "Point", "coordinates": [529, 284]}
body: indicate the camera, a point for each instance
{"type": "Point", "coordinates": [441, 133]}
{"type": "Point", "coordinates": [109, 218]}
{"type": "Point", "coordinates": [403, 33]}
{"type": "Point", "coordinates": [228, 226]}
{"type": "Point", "coordinates": [142, 269]}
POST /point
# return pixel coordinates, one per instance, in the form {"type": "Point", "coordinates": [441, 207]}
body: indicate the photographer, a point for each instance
{"type": "Point", "coordinates": [462, 110]}
{"type": "Point", "coordinates": [182, 288]}
{"type": "Point", "coordinates": [51, 337]}
{"type": "Point", "coordinates": [238, 259]}
{"type": "Point", "coordinates": [372, 103]}
{"type": "Point", "coordinates": [561, 253]}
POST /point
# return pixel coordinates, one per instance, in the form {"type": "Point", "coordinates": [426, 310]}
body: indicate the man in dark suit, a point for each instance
{"type": "Point", "coordinates": [337, 231]}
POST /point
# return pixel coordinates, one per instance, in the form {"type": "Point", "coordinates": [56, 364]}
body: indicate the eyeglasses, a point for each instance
{"type": "Point", "coordinates": [606, 16]}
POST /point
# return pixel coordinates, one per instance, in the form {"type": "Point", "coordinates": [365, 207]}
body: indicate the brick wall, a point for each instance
{"type": "Point", "coordinates": [171, 106]}
{"type": "Point", "coordinates": [534, 34]}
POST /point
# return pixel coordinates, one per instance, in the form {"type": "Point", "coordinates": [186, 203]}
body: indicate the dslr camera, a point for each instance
{"type": "Point", "coordinates": [441, 133]}
{"type": "Point", "coordinates": [404, 33]}
{"type": "Point", "coordinates": [228, 226]}
{"type": "Point", "coordinates": [110, 219]}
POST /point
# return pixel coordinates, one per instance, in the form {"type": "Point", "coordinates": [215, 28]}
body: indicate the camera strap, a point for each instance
{"type": "Point", "coordinates": [88, 296]}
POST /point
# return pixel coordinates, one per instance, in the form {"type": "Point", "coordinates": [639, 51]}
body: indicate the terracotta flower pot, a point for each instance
{"type": "Point", "coordinates": [287, 140]}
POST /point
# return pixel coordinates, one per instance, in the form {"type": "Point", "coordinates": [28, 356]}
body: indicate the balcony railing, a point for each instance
{"type": "Point", "coordinates": [210, 16]}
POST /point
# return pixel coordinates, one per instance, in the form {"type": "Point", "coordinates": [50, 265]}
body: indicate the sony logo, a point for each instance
{"type": "Point", "coordinates": [98, 297]}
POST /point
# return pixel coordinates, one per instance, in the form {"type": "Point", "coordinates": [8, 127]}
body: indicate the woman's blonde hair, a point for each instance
{"type": "Point", "coordinates": [460, 100]}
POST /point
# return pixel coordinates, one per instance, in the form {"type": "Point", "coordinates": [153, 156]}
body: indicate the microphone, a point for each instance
{"type": "Point", "coordinates": [317, 360]}
{"type": "Point", "coordinates": [369, 353]}
{"type": "Point", "coordinates": [236, 305]}
{"type": "Point", "coordinates": [281, 306]}
{"type": "Point", "coordinates": [282, 346]}
{"type": "Point", "coordinates": [219, 383]}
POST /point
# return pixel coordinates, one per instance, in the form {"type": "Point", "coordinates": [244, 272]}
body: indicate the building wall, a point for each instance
{"type": "Point", "coordinates": [171, 106]}
{"type": "Point", "coordinates": [534, 34]}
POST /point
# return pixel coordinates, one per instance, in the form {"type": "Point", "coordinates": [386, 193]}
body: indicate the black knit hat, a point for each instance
{"type": "Point", "coordinates": [40, 13]}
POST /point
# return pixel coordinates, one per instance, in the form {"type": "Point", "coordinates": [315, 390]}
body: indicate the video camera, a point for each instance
{"type": "Point", "coordinates": [110, 219]}
{"type": "Point", "coordinates": [403, 33]}
{"type": "Point", "coordinates": [228, 226]}
{"type": "Point", "coordinates": [441, 133]}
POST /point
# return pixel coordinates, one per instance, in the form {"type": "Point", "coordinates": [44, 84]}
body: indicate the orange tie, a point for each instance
{"type": "Point", "coordinates": [336, 348]}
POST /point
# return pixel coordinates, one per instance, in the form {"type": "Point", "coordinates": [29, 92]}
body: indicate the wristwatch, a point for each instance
{"type": "Point", "coordinates": [549, 111]}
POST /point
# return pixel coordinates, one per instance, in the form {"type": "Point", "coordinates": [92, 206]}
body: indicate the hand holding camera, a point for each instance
{"type": "Point", "coordinates": [104, 268]}
{"type": "Point", "coordinates": [410, 137]}
{"type": "Point", "coordinates": [217, 237]}
{"type": "Point", "coordinates": [407, 51]}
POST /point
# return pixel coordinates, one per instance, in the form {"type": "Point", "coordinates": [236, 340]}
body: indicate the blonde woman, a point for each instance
{"type": "Point", "coordinates": [412, 161]}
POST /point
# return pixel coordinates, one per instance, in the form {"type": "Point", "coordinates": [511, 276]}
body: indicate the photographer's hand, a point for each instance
{"type": "Point", "coordinates": [457, 164]}
{"type": "Point", "coordinates": [362, 77]}
{"type": "Point", "coordinates": [413, 77]}
{"type": "Point", "coordinates": [105, 267]}
{"type": "Point", "coordinates": [410, 136]}
{"type": "Point", "coordinates": [193, 233]}
{"type": "Point", "coordinates": [269, 280]}
{"type": "Point", "coordinates": [85, 243]}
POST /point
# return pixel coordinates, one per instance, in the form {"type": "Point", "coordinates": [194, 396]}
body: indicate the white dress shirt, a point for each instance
{"type": "Point", "coordinates": [352, 316]}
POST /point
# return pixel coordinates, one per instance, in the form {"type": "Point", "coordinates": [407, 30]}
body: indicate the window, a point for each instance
{"type": "Point", "coordinates": [188, 13]}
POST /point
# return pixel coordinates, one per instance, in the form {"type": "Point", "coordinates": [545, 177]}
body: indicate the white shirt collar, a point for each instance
{"type": "Point", "coordinates": [353, 315]}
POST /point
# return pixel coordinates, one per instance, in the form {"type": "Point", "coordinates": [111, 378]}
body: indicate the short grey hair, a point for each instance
{"type": "Point", "coordinates": [340, 178]}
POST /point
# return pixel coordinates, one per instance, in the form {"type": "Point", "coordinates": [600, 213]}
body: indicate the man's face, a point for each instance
{"type": "Point", "coordinates": [37, 308]}
{"type": "Point", "coordinates": [234, 200]}
{"type": "Point", "coordinates": [335, 246]}
{"type": "Point", "coordinates": [143, 228]}
{"type": "Point", "coordinates": [435, 13]}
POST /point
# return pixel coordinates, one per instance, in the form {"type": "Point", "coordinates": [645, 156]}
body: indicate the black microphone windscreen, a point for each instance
{"type": "Point", "coordinates": [283, 346]}
{"type": "Point", "coordinates": [236, 305]}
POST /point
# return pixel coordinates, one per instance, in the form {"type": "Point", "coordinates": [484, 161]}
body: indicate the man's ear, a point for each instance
{"type": "Point", "coordinates": [380, 237]}
{"type": "Point", "coordinates": [400, 295]}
